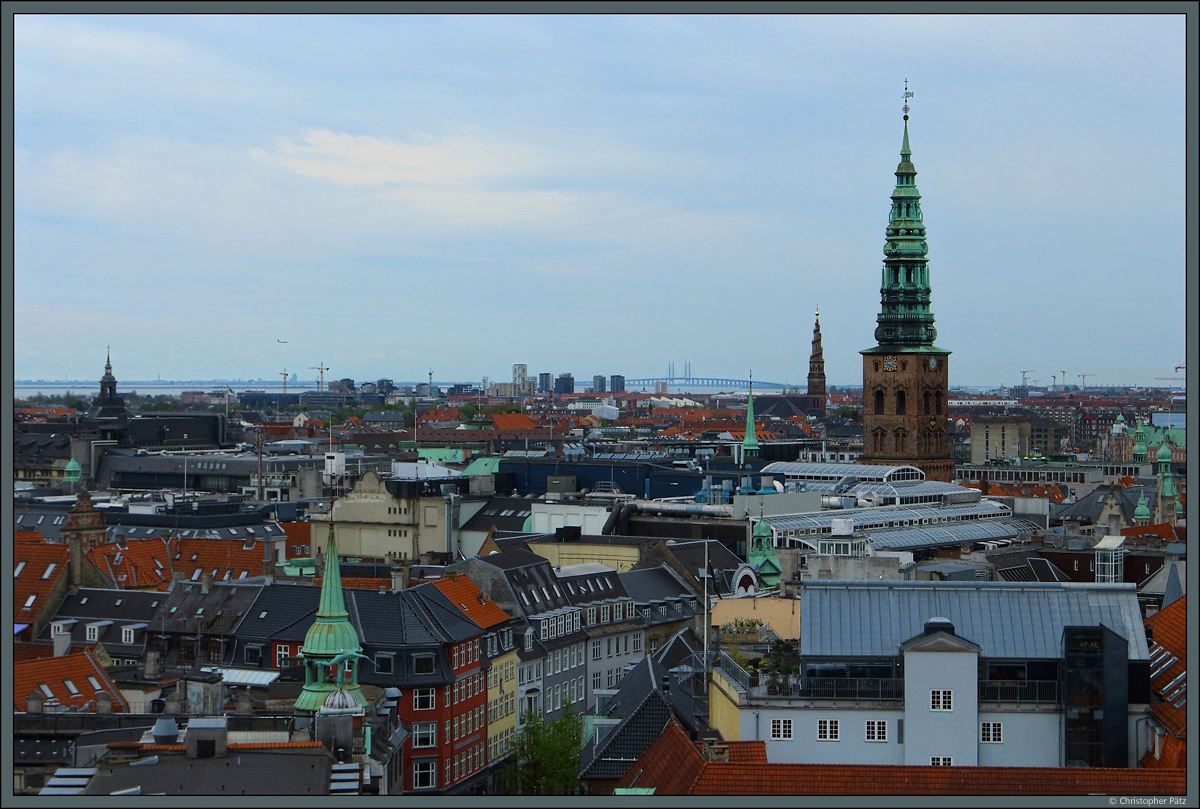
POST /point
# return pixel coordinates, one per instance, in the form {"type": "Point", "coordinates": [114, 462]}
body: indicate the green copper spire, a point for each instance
{"type": "Point", "coordinates": [1166, 478]}
{"type": "Point", "coordinates": [331, 648]}
{"type": "Point", "coordinates": [762, 554]}
{"type": "Point", "coordinates": [905, 322]}
{"type": "Point", "coordinates": [750, 442]}
{"type": "Point", "coordinates": [1139, 444]}
{"type": "Point", "coordinates": [1141, 514]}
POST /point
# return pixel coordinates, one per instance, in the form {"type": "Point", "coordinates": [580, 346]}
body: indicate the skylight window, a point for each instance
{"type": "Point", "coordinates": [195, 574]}
{"type": "Point", "coordinates": [20, 567]}
{"type": "Point", "coordinates": [29, 602]}
{"type": "Point", "coordinates": [262, 614]}
{"type": "Point", "coordinates": [46, 690]}
{"type": "Point", "coordinates": [93, 682]}
{"type": "Point", "coordinates": [71, 687]}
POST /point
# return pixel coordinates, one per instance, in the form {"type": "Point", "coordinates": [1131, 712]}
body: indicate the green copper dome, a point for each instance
{"type": "Point", "coordinates": [1164, 454]}
{"type": "Point", "coordinates": [72, 471]}
{"type": "Point", "coordinates": [1142, 512]}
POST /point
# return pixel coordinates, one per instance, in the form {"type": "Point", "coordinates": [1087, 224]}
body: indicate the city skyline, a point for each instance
{"type": "Point", "coordinates": [220, 196]}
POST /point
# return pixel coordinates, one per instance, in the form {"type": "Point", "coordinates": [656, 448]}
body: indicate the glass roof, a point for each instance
{"type": "Point", "coordinates": [867, 518]}
{"type": "Point", "coordinates": [836, 471]}
{"type": "Point", "coordinates": [969, 531]}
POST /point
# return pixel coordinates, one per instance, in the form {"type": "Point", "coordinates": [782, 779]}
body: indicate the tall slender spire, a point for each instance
{"type": "Point", "coordinates": [816, 363]}
{"type": "Point", "coordinates": [905, 319]}
{"type": "Point", "coordinates": [331, 642]}
{"type": "Point", "coordinates": [750, 442]}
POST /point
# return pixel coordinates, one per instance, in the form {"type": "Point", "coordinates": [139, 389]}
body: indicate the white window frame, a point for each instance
{"type": "Point", "coordinates": [991, 732]}
{"type": "Point", "coordinates": [781, 729]}
{"type": "Point", "coordinates": [941, 761]}
{"type": "Point", "coordinates": [941, 699]}
{"type": "Point", "coordinates": [127, 635]}
{"type": "Point", "coordinates": [424, 774]}
{"type": "Point", "coordinates": [876, 730]}
{"type": "Point", "coordinates": [93, 632]}
{"type": "Point", "coordinates": [424, 734]}
{"type": "Point", "coordinates": [828, 730]}
{"type": "Point", "coordinates": [424, 699]}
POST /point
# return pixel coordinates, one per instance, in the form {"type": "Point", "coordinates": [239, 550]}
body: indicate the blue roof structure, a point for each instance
{"type": "Point", "coordinates": [1008, 620]}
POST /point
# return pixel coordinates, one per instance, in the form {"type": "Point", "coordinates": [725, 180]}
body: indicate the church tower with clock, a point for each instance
{"type": "Point", "coordinates": [905, 379]}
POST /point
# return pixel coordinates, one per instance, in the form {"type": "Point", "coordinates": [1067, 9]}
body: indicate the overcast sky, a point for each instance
{"type": "Point", "coordinates": [592, 194]}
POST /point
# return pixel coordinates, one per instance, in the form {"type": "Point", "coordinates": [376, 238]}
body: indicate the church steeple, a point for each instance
{"type": "Point", "coordinates": [750, 441]}
{"type": "Point", "coordinates": [904, 319]}
{"type": "Point", "coordinates": [816, 362]}
{"type": "Point", "coordinates": [905, 376]}
{"type": "Point", "coordinates": [331, 647]}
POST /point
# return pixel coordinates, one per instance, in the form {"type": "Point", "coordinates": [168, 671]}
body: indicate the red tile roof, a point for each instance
{"type": "Point", "coordinates": [463, 593]}
{"type": "Point", "coordinates": [69, 680]}
{"type": "Point", "coordinates": [512, 421]}
{"type": "Point", "coordinates": [674, 766]}
{"type": "Point", "coordinates": [359, 582]}
{"type": "Point", "coordinates": [298, 533]}
{"type": "Point", "coordinates": [145, 564]}
{"type": "Point", "coordinates": [1168, 627]}
{"type": "Point", "coordinates": [37, 567]}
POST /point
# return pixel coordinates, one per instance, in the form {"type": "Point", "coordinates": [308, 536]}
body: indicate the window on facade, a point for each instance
{"type": "Point", "coordinates": [424, 734]}
{"type": "Point", "coordinates": [282, 652]}
{"type": "Point", "coordinates": [827, 730]}
{"type": "Point", "coordinates": [637, 641]}
{"type": "Point", "coordinates": [423, 699]}
{"type": "Point", "coordinates": [253, 654]}
{"type": "Point", "coordinates": [424, 774]}
{"type": "Point", "coordinates": [781, 729]}
{"type": "Point", "coordinates": [990, 732]}
{"type": "Point", "coordinates": [126, 635]}
{"type": "Point", "coordinates": [422, 664]}
{"type": "Point", "coordinates": [941, 761]}
{"type": "Point", "coordinates": [93, 632]}
{"type": "Point", "coordinates": [595, 650]}
{"type": "Point", "coordinates": [941, 700]}
{"type": "Point", "coordinates": [605, 614]}
{"type": "Point", "coordinates": [876, 730]}
{"type": "Point", "coordinates": [383, 663]}
{"type": "Point", "coordinates": [878, 401]}
{"type": "Point", "coordinates": [595, 680]}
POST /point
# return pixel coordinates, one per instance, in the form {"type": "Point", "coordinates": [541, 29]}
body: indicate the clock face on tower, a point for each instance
{"type": "Point", "coordinates": [933, 363]}
{"type": "Point", "coordinates": [889, 363]}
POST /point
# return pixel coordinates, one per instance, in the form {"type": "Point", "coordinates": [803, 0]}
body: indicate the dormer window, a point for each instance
{"type": "Point", "coordinates": [528, 639]}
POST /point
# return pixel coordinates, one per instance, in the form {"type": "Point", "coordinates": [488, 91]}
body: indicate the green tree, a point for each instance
{"type": "Point", "coordinates": [545, 755]}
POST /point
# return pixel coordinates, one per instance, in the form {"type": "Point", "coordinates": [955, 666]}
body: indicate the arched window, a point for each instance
{"type": "Point", "coordinates": [900, 402]}
{"type": "Point", "coordinates": [927, 397]}
{"type": "Point", "coordinates": [938, 402]}
{"type": "Point", "coordinates": [900, 440]}
{"type": "Point", "coordinates": [878, 402]}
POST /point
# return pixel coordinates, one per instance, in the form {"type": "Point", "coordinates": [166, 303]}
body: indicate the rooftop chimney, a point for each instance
{"type": "Point", "coordinates": [206, 581]}
{"type": "Point", "coordinates": [939, 624]}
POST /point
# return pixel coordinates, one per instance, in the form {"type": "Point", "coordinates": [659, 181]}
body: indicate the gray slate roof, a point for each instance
{"type": "Point", "coordinates": [644, 710]}
{"type": "Point", "coordinates": [844, 619]}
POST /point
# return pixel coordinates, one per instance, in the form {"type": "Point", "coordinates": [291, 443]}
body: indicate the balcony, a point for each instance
{"type": "Point", "coordinates": [1018, 691]}
{"type": "Point", "coordinates": [853, 689]}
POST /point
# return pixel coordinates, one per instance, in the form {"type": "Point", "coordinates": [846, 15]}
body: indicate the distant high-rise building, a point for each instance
{"type": "Point", "coordinates": [520, 374]}
{"type": "Point", "coordinates": [616, 383]}
{"type": "Point", "coordinates": [564, 383]}
{"type": "Point", "coordinates": [598, 383]}
{"type": "Point", "coordinates": [660, 387]}
{"type": "Point", "coordinates": [385, 386]}
{"type": "Point", "coordinates": [544, 383]}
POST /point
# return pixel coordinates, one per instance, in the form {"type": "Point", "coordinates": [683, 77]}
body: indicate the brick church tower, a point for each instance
{"type": "Point", "coordinates": [905, 380]}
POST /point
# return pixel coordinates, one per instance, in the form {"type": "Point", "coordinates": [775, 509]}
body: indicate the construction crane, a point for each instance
{"type": "Point", "coordinates": [1064, 379]}
{"type": "Point", "coordinates": [1179, 368]}
{"type": "Point", "coordinates": [1053, 382]}
{"type": "Point", "coordinates": [1030, 371]}
{"type": "Point", "coordinates": [321, 368]}
{"type": "Point", "coordinates": [1083, 381]}
{"type": "Point", "coordinates": [284, 374]}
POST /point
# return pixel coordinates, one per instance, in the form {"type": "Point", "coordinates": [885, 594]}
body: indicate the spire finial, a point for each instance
{"type": "Point", "coordinates": [907, 95]}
